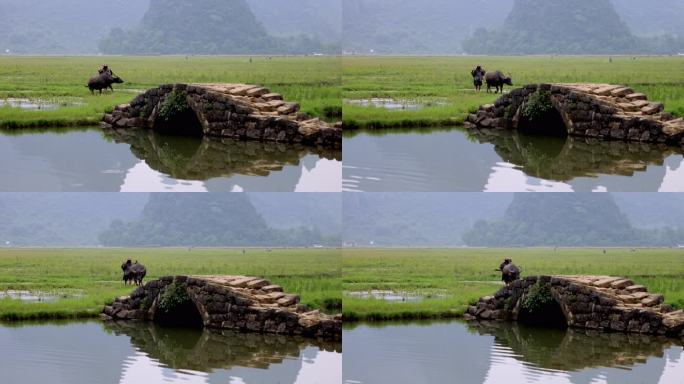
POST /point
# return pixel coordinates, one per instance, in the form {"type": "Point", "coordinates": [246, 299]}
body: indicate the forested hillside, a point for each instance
{"type": "Point", "coordinates": [213, 219]}
{"type": "Point", "coordinates": [416, 27]}
{"type": "Point", "coordinates": [645, 210]}
{"type": "Point", "coordinates": [441, 26]}
{"type": "Point", "coordinates": [76, 26]}
{"type": "Point", "coordinates": [564, 27]}
{"type": "Point", "coordinates": [192, 219]}
{"type": "Point", "coordinates": [414, 219]}
{"type": "Point", "coordinates": [506, 219]}
{"type": "Point", "coordinates": [321, 19]}
{"type": "Point", "coordinates": [566, 219]}
{"type": "Point", "coordinates": [60, 219]}
{"type": "Point", "coordinates": [652, 18]}
{"type": "Point", "coordinates": [193, 27]}
{"type": "Point", "coordinates": [321, 211]}
{"type": "Point", "coordinates": [65, 26]}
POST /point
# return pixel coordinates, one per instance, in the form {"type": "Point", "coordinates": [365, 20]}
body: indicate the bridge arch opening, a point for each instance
{"type": "Point", "coordinates": [544, 118]}
{"type": "Point", "coordinates": [549, 315]}
{"type": "Point", "coordinates": [183, 313]}
{"type": "Point", "coordinates": [177, 117]}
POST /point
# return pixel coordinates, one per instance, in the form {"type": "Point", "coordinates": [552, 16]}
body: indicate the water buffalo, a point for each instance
{"type": "Point", "coordinates": [133, 272]}
{"type": "Point", "coordinates": [509, 272]}
{"type": "Point", "coordinates": [497, 79]}
{"type": "Point", "coordinates": [103, 81]}
{"type": "Point", "coordinates": [139, 271]}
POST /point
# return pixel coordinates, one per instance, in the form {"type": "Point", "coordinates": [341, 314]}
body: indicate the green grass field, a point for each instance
{"type": "Point", "coordinates": [451, 279]}
{"type": "Point", "coordinates": [314, 82]}
{"type": "Point", "coordinates": [447, 80]}
{"type": "Point", "coordinates": [91, 277]}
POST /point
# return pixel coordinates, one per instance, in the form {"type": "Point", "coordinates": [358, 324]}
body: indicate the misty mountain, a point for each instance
{"type": "Point", "coordinates": [128, 219]}
{"type": "Point", "coordinates": [321, 19]}
{"type": "Point", "coordinates": [441, 26]}
{"type": "Point", "coordinates": [189, 219]}
{"type": "Point", "coordinates": [646, 210]}
{"type": "Point", "coordinates": [564, 27]}
{"type": "Point", "coordinates": [65, 26]}
{"type": "Point", "coordinates": [500, 219]}
{"type": "Point", "coordinates": [61, 219]}
{"type": "Point", "coordinates": [415, 219]}
{"type": "Point", "coordinates": [416, 27]}
{"type": "Point", "coordinates": [652, 18]}
{"type": "Point", "coordinates": [315, 211]}
{"type": "Point", "coordinates": [76, 26]}
{"type": "Point", "coordinates": [212, 219]}
{"type": "Point", "coordinates": [192, 27]}
{"type": "Point", "coordinates": [573, 219]}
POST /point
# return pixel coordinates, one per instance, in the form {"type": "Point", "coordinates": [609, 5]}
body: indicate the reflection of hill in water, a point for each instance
{"type": "Point", "coordinates": [574, 349]}
{"type": "Point", "coordinates": [207, 350]}
{"type": "Point", "coordinates": [563, 159]}
{"type": "Point", "coordinates": [204, 158]}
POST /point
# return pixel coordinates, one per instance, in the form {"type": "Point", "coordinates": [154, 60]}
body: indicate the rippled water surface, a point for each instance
{"type": "Point", "coordinates": [94, 352]}
{"type": "Point", "coordinates": [94, 160]}
{"type": "Point", "coordinates": [453, 160]}
{"type": "Point", "coordinates": [505, 353]}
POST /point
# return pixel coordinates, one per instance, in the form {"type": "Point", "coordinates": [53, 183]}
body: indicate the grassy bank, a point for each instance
{"type": "Point", "coordinates": [313, 82]}
{"type": "Point", "coordinates": [451, 279]}
{"type": "Point", "coordinates": [86, 279]}
{"type": "Point", "coordinates": [445, 84]}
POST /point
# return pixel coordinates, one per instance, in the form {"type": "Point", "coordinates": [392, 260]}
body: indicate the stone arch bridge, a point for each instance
{"type": "Point", "coordinates": [603, 111]}
{"type": "Point", "coordinates": [591, 302]}
{"type": "Point", "coordinates": [237, 111]}
{"type": "Point", "coordinates": [239, 303]}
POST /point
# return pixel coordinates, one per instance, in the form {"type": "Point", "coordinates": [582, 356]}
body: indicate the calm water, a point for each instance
{"type": "Point", "coordinates": [93, 352]}
{"type": "Point", "coordinates": [496, 353]}
{"type": "Point", "coordinates": [93, 160]}
{"type": "Point", "coordinates": [448, 160]}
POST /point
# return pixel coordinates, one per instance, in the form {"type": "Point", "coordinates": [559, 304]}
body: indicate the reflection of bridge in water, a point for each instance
{"type": "Point", "coordinates": [209, 350]}
{"type": "Point", "coordinates": [564, 159]}
{"type": "Point", "coordinates": [574, 349]}
{"type": "Point", "coordinates": [504, 352]}
{"type": "Point", "coordinates": [207, 157]}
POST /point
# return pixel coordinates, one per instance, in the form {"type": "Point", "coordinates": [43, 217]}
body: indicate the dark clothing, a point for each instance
{"type": "Point", "coordinates": [105, 69]}
{"type": "Point", "coordinates": [478, 75]}
{"type": "Point", "coordinates": [501, 267]}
